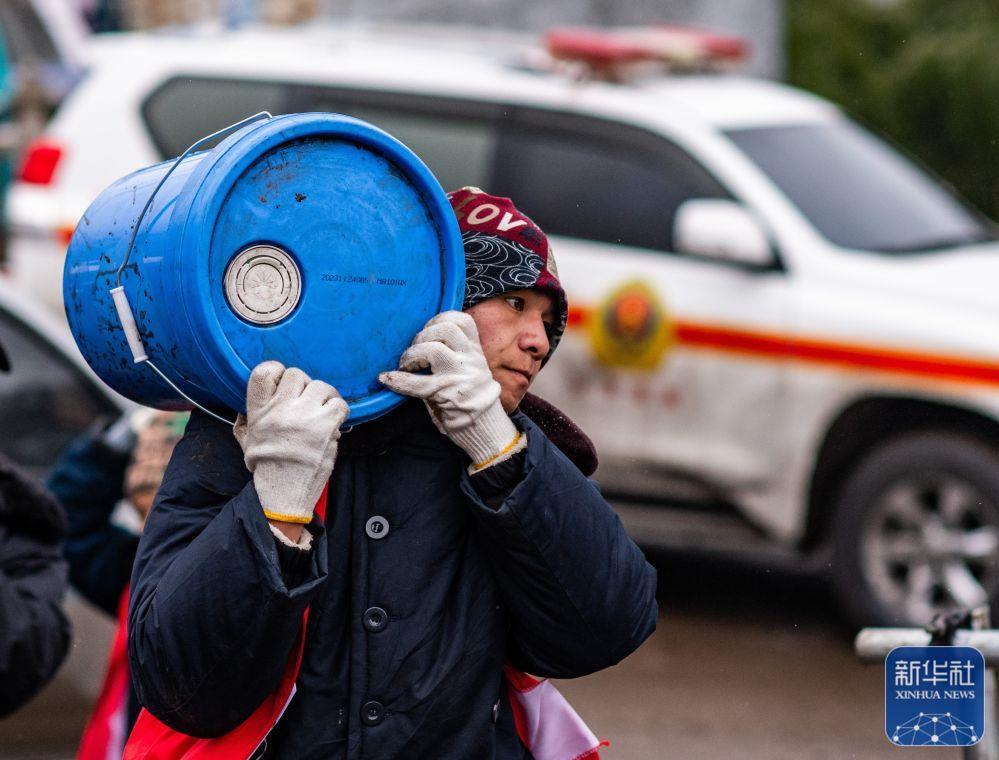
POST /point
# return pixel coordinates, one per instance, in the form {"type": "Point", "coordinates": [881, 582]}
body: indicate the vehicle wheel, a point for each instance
{"type": "Point", "coordinates": [916, 530]}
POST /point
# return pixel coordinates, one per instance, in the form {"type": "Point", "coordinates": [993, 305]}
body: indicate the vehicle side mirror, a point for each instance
{"type": "Point", "coordinates": [721, 229]}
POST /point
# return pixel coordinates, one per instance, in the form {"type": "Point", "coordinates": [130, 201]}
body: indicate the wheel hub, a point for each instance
{"type": "Point", "coordinates": [930, 545]}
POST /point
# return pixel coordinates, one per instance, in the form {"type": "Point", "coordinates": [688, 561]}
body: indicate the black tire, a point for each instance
{"type": "Point", "coordinates": [898, 521]}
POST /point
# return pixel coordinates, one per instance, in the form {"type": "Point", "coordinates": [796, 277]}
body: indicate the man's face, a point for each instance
{"type": "Point", "coordinates": [513, 329]}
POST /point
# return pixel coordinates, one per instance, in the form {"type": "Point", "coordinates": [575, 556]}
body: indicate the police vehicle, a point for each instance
{"type": "Point", "coordinates": [783, 337]}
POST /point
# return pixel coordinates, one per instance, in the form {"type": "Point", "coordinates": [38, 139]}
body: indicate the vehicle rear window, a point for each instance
{"type": "Point", "coordinates": [600, 187]}
{"type": "Point", "coordinates": [858, 191]}
{"type": "Point", "coordinates": [185, 109]}
{"type": "Point", "coordinates": [45, 401]}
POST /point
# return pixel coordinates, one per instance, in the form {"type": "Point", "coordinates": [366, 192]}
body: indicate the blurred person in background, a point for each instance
{"type": "Point", "coordinates": [34, 632]}
{"type": "Point", "coordinates": [9, 137]}
{"type": "Point", "coordinates": [101, 15]}
{"type": "Point", "coordinates": [463, 542]}
{"type": "Point", "coordinates": [106, 481]}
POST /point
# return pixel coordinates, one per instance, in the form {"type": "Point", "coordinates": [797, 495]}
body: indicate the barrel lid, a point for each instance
{"type": "Point", "coordinates": [320, 241]}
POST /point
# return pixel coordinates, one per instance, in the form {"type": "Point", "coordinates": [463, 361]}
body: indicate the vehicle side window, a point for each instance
{"type": "Point", "coordinates": [185, 109]}
{"type": "Point", "coordinates": [459, 150]}
{"type": "Point", "coordinates": [45, 401]}
{"type": "Point", "coordinates": [599, 184]}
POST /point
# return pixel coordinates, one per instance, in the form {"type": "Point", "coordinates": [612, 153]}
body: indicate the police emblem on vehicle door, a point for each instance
{"type": "Point", "coordinates": [632, 328]}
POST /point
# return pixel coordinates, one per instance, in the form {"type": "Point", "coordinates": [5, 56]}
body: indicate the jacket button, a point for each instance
{"type": "Point", "coordinates": [376, 527]}
{"type": "Point", "coordinates": [375, 619]}
{"type": "Point", "coordinates": [372, 713]}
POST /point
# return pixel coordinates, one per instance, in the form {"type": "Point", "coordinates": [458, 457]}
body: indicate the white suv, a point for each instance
{"type": "Point", "coordinates": [783, 334]}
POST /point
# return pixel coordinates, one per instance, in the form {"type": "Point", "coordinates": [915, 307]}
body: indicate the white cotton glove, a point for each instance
{"type": "Point", "coordinates": [289, 438]}
{"type": "Point", "coordinates": [460, 392]}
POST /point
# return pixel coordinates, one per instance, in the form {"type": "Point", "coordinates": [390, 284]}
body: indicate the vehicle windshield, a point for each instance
{"type": "Point", "coordinates": [858, 191]}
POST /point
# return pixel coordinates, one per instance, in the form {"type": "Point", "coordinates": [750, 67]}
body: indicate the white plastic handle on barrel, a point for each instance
{"type": "Point", "coordinates": [127, 319]}
{"type": "Point", "coordinates": [122, 306]}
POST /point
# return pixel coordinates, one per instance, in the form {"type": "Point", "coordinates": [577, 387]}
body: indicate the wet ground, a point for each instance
{"type": "Point", "coordinates": [747, 663]}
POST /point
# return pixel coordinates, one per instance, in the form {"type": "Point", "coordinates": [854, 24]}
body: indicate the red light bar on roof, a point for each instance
{"type": "Point", "coordinates": [678, 45]}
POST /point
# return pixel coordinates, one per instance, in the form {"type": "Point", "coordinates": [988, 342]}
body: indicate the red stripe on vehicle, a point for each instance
{"type": "Point", "coordinates": [818, 351]}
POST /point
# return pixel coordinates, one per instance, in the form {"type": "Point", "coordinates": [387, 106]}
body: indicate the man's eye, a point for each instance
{"type": "Point", "coordinates": [516, 302]}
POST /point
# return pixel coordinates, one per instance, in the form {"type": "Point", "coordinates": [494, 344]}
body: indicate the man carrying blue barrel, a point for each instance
{"type": "Point", "coordinates": [463, 546]}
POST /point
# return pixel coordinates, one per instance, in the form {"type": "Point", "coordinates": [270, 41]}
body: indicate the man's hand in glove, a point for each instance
{"type": "Point", "coordinates": [460, 392]}
{"type": "Point", "coordinates": [289, 438]}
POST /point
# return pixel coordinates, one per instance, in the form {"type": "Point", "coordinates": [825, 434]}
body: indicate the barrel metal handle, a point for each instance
{"type": "Point", "coordinates": [197, 144]}
{"type": "Point", "coordinates": [123, 307]}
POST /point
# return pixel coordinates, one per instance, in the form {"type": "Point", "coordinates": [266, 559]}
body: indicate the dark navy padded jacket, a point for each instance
{"type": "Point", "coordinates": [547, 581]}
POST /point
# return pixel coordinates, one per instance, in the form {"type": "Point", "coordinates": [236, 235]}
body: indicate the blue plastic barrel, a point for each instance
{"type": "Point", "coordinates": [314, 239]}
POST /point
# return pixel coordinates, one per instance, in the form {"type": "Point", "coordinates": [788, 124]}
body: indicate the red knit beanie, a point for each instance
{"type": "Point", "coordinates": [504, 251]}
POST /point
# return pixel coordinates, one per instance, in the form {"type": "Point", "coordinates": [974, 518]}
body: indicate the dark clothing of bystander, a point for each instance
{"type": "Point", "coordinates": [87, 480]}
{"type": "Point", "coordinates": [34, 632]}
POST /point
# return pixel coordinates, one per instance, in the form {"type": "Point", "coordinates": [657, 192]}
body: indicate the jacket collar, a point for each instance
{"type": "Point", "coordinates": [412, 421]}
{"type": "Point", "coordinates": [561, 431]}
{"type": "Point", "coordinates": [407, 420]}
